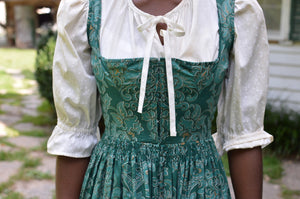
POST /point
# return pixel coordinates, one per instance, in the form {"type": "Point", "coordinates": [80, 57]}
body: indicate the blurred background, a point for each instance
{"type": "Point", "coordinates": [27, 115]}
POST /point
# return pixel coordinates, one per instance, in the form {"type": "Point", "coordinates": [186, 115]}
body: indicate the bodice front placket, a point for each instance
{"type": "Point", "coordinates": [173, 29]}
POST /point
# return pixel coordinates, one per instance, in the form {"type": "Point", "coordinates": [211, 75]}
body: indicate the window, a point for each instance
{"type": "Point", "coordinates": [295, 21]}
{"type": "Point", "coordinates": [277, 15]}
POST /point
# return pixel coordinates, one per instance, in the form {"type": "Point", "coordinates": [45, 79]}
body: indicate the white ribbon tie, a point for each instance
{"type": "Point", "coordinates": [172, 28]}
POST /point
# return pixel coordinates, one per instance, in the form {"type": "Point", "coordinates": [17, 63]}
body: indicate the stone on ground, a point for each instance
{"type": "Point", "coordinates": [10, 109]}
{"type": "Point", "coordinates": [48, 163]}
{"type": "Point", "coordinates": [6, 148]}
{"type": "Point", "coordinates": [270, 191]}
{"type": "Point", "coordinates": [26, 127]}
{"type": "Point", "coordinates": [9, 120]}
{"type": "Point", "coordinates": [8, 169]}
{"type": "Point", "coordinates": [26, 141]}
{"type": "Point", "coordinates": [41, 189]}
{"type": "Point", "coordinates": [291, 175]}
{"type": "Point", "coordinates": [31, 103]}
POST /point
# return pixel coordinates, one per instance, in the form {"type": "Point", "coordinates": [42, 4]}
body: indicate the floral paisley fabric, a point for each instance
{"type": "Point", "coordinates": [136, 157]}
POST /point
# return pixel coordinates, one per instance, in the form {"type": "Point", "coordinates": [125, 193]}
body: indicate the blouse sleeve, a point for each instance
{"type": "Point", "coordinates": [243, 98]}
{"type": "Point", "coordinates": [74, 86]}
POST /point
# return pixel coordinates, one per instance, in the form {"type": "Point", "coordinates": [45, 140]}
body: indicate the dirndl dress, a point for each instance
{"type": "Point", "coordinates": [137, 157]}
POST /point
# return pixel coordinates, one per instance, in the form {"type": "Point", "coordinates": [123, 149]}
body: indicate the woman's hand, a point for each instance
{"type": "Point", "coordinates": [246, 172]}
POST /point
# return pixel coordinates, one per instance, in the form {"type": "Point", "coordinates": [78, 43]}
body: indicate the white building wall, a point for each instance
{"type": "Point", "coordinates": [284, 84]}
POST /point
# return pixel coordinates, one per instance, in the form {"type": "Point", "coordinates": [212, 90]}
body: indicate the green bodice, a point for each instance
{"type": "Point", "coordinates": [197, 88]}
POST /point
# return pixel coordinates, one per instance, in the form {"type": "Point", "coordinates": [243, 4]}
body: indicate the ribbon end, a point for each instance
{"type": "Point", "coordinates": [140, 109]}
{"type": "Point", "coordinates": [173, 134]}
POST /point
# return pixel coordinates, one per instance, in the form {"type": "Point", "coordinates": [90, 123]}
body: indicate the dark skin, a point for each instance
{"type": "Point", "coordinates": [69, 176]}
{"type": "Point", "coordinates": [245, 164]}
{"type": "Point", "coordinates": [246, 172]}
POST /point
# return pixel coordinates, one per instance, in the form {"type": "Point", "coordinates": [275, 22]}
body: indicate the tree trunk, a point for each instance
{"type": "Point", "coordinates": [25, 26]}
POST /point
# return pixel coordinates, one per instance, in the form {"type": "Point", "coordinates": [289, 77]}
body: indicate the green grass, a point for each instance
{"type": "Point", "coordinates": [54, 195]}
{"type": "Point", "coordinates": [24, 174]}
{"type": "Point", "coordinates": [12, 98]}
{"type": "Point", "coordinates": [272, 167]}
{"type": "Point", "coordinates": [16, 59]}
{"type": "Point", "coordinates": [289, 194]}
{"type": "Point", "coordinates": [13, 195]}
{"type": "Point", "coordinates": [31, 162]}
{"type": "Point", "coordinates": [5, 185]}
{"type": "Point", "coordinates": [42, 147]}
{"type": "Point", "coordinates": [41, 120]}
{"type": "Point", "coordinates": [21, 59]}
{"type": "Point", "coordinates": [6, 82]}
{"type": "Point", "coordinates": [30, 174]}
{"type": "Point", "coordinates": [16, 102]}
{"type": "Point", "coordinates": [5, 142]}
{"type": "Point", "coordinates": [11, 95]}
{"type": "Point", "coordinates": [33, 133]}
{"type": "Point", "coordinates": [28, 74]}
{"type": "Point", "coordinates": [11, 156]}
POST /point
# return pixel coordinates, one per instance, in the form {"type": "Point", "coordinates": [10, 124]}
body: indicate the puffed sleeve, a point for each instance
{"type": "Point", "coordinates": [74, 86]}
{"type": "Point", "coordinates": [243, 98]}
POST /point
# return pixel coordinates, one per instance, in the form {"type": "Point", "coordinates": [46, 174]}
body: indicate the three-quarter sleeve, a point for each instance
{"type": "Point", "coordinates": [74, 86]}
{"type": "Point", "coordinates": [243, 98]}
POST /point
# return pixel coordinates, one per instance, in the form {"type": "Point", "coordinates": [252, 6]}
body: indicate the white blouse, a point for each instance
{"type": "Point", "coordinates": [127, 32]}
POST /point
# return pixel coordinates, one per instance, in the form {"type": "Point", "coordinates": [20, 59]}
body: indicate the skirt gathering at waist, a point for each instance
{"type": "Point", "coordinates": [121, 168]}
{"type": "Point", "coordinates": [195, 148]}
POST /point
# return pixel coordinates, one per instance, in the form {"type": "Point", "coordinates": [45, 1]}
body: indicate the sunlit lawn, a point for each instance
{"type": "Point", "coordinates": [22, 59]}
{"type": "Point", "coordinates": [17, 68]}
{"type": "Point", "coordinates": [13, 64]}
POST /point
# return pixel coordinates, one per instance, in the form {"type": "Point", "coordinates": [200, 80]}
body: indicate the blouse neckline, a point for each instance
{"type": "Point", "coordinates": [146, 14]}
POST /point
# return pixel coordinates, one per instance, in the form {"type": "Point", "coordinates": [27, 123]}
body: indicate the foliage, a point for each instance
{"type": "Point", "coordinates": [272, 167]}
{"type": "Point", "coordinates": [284, 125]}
{"type": "Point", "coordinates": [44, 61]}
{"type": "Point", "coordinates": [226, 164]}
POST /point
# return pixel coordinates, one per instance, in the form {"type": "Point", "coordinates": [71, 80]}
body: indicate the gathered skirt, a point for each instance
{"type": "Point", "coordinates": [131, 169]}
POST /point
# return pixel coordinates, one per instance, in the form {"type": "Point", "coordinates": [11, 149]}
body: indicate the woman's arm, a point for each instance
{"type": "Point", "coordinates": [69, 176]}
{"type": "Point", "coordinates": [76, 99]}
{"type": "Point", "coordinates": [246, 172]}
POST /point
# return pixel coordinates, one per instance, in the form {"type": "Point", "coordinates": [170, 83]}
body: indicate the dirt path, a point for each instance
{"type": "Point", "coordinates": [26, 170]}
